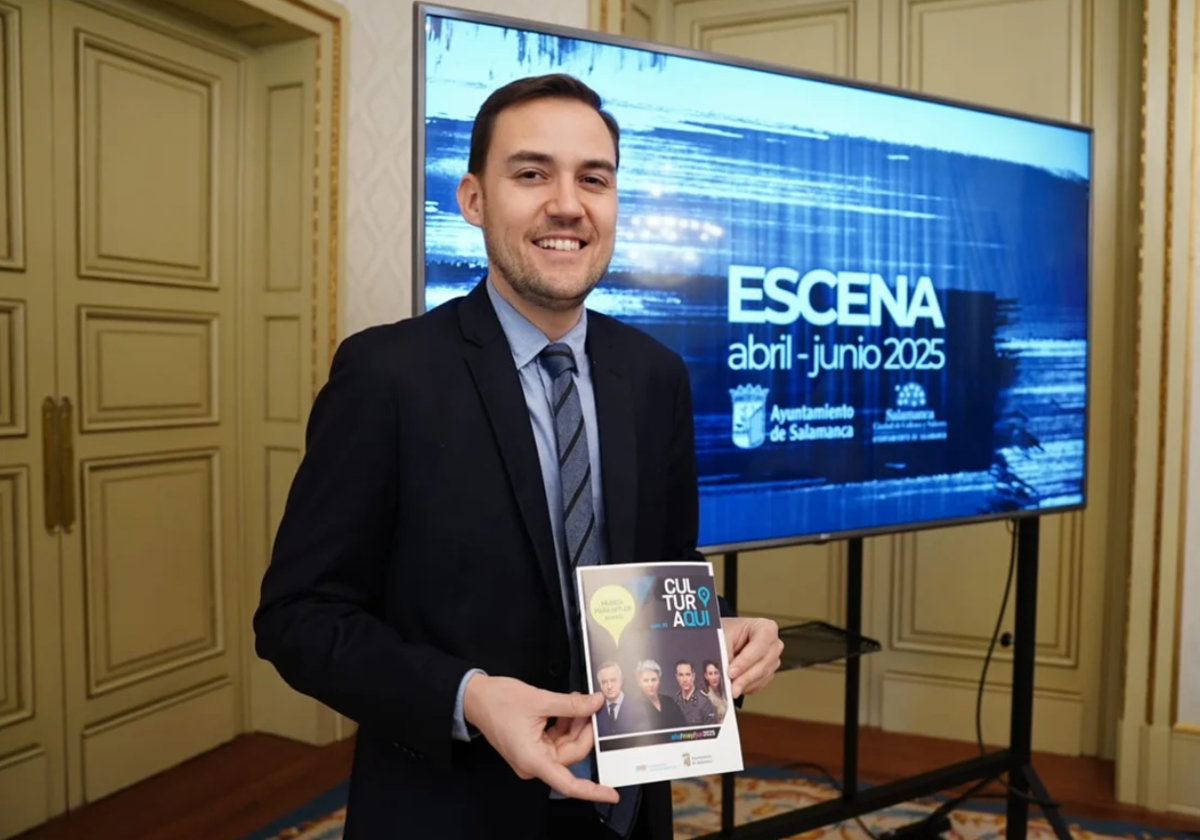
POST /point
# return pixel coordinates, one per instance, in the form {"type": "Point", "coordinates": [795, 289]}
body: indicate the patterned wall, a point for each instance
{"type": "Point", "coordinates": [376, 288]}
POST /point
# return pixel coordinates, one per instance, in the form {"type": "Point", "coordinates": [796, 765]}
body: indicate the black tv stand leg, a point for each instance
{"type": "Point", "coordinates": [1022, 778]}
{"type": "Point", "coordinates": [1026, 779]}
{"type": "Point", "coordinates": [854, 599]}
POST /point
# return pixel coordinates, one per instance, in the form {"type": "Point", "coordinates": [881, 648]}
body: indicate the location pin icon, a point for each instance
{"type": "Point", "coordinates": [702, 593]}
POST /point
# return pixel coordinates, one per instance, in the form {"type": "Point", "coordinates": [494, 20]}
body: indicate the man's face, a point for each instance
{"type": "Point", "coordinates": [610, 683]}
{"type": "Point", "coordinates": [547, 201]}
{"type": "Point", "coordinates": [685, 677]}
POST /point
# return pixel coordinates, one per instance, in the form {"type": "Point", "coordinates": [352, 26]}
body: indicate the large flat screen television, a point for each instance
{"type": "Point", "coordinates": [882, 297]}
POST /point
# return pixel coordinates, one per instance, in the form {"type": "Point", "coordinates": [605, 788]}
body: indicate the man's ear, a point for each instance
{"type": "Point", "coordinates": [470, 199]}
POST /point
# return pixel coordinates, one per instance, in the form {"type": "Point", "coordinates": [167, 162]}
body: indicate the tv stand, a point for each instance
{"type": "Point", "coordinates": [811, 643]}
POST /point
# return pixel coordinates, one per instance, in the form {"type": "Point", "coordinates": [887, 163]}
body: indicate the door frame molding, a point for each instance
{"type": "Point", "coordinates": [327, 21]}
{"type": "Point", "coordinates": [263, 707]}
{"type": "Point", "coordinates": [302, 717]}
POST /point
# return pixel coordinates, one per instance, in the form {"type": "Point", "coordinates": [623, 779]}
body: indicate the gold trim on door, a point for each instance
{"type": "Point", "coordinates": [66, 466]}
{"type": "Point", "coordinates": [51, 466]}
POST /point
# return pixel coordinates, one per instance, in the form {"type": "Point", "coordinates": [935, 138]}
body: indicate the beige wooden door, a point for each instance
{"type": "Point", "coordinates": [932, 598]}
{"type": "Point", "coordinates": [32, 778]}
{"type": "Point", "coordinates": [147, 132]}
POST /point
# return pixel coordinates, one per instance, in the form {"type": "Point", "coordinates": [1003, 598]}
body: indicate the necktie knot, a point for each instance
{"type": "Point", "coordinates": [557, 359]}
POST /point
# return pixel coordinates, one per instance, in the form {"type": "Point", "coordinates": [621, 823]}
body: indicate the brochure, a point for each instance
{"type": "Point", "coordinates": [654, 646]}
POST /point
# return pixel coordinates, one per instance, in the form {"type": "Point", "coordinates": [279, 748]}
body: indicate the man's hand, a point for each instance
{"type": "Point", "coordinates": [754, 650]}
{"type": "Point", "coordinates": [512, 715]}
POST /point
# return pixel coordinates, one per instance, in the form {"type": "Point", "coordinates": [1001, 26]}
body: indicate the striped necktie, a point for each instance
{"type": "Point", "coordinates": [579, 521]}
{"type": "Point", "coordinates": [574, 461]}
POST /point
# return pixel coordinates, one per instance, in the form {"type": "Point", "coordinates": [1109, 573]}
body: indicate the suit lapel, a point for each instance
{"type": "Point", "coordinates": [491, 364]}
{"type": "Point", "coordinates": [618, 438]}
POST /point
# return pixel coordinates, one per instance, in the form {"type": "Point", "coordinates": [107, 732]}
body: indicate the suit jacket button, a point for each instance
{"type": "Point", "coordinates": [556, 670]}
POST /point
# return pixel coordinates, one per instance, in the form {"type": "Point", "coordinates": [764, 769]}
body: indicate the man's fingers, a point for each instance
{"type": "Point", "coordinates": [751, 655]}
{"type": "Point", "coordinates": [570, 705]}
{"type": "Point", "coordinates": [572, 749]}
{"type": "Point", "coordinates": [746, 682]}
{"type": "Point", "coordinates": [567, 783]}
{"type": "Point", "coordinates": [760, 674]}
{"type": "Point", "coordinates": [560, 729]}
{"type": "Point", "coordinates": [579, 729]}
{"type": "Point", "coordinates": [573, 752]}
{"type": "Point", "coordinates": [578, 725]}
{"type": "Point", "coordinates": [737, 632]}
{"type": "Point", "coordinates": [762, 648]}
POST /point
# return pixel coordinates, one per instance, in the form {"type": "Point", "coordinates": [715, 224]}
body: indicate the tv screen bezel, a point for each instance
{"type": "Point", "coordinates": [422, 10]}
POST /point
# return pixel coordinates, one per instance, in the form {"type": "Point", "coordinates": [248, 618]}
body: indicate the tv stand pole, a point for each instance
{"type": "Point", "coordinates": [854, 587]}
{"type": "Point", "coordinates": [813, 642]}
{"type": "Point", "coordinates": [1022, 778]}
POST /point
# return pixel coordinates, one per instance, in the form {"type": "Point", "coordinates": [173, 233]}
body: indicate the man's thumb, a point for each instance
{"type": "Point", "coordinates": [574, 705]}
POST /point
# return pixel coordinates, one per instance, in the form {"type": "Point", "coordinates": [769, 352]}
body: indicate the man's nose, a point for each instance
{"type": "Point", "coordinates": [565, 200]}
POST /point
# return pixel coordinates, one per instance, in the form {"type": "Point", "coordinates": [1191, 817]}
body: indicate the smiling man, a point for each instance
{"type": "Point", "coordinates": [459, 465]}
{"type": "Point", "coordinates": [542, 185]}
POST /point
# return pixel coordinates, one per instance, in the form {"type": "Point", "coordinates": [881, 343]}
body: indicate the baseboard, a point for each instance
{"type": "Point", "coordinates": [944, 707]}
{"type": "Point", "coordinates": [1157, 767]}
{"type": "Point", "coordinates": [1184, 796]}
{"type": "Point", "coordinates": [1129, 762]}
{"type": "Point", "coordinates": [810, 694]}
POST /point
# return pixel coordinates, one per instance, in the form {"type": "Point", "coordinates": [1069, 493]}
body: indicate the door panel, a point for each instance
{"type": "Point", "coordinates": [32, 770]}
{"type": "Point", "coordinates": [147, 132]}
{"type": "Point", "coordinates": [836, 39]}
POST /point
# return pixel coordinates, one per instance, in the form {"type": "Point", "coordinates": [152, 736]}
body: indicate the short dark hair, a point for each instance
{"type": "Point", "coordinates": [551, 86]}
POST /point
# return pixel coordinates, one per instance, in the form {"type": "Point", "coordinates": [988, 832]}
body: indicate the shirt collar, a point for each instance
{"type": "Point", "coordinates": [525, 339]}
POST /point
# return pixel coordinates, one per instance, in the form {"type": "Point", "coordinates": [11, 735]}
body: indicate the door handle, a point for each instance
{"type": "Point", "coordinates": [51, 467]}
{"type": "Point", "coordinates": [66, 466]}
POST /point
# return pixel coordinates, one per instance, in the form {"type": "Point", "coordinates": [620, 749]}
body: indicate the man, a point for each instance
{"type": "Point", "coordinates": [697, 709]}
{"type": "Point", "coordinates": [457, 466]}
{"type": "Point", "coordinates": [619, 715]}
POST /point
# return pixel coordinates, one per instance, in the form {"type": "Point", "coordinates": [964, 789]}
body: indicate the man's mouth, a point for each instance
{"type": "Point", "coordinates": [558, 244]}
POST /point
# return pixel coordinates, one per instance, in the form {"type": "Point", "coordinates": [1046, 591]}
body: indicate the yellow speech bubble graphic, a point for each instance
{"type": "Point", "coordinates": [613, 608]}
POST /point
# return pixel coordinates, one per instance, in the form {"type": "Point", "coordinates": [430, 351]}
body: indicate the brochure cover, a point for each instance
{"type": "Point", "coordinates": [654, 647]}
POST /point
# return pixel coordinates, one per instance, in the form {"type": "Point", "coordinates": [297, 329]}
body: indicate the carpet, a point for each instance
{"type": "Point", "coordinates": [764, 792]}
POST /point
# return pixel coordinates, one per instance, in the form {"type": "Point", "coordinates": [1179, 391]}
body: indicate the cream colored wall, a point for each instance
{"type": "Point", "coordinates": [377, 286]}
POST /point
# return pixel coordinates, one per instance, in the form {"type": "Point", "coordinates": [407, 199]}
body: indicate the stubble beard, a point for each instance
{"type": "Point", "coordinates": [529, 283]}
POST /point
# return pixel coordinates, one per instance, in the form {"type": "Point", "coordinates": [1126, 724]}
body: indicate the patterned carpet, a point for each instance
{"type": "Point", "coordinates": [764, 792]}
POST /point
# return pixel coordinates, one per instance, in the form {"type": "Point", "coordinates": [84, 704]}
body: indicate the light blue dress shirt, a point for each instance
{"type": "Point", "coordinates": [526, 341]}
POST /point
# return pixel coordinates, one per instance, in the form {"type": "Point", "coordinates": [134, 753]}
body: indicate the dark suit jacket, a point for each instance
{"type": "Point", "coordinates": [632, 717]}
{"type": "Point", "coordinates": [415, 544]}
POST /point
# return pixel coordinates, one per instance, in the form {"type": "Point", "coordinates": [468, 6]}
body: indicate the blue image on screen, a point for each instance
{"type": "Point", "coordinates": [882, 300]}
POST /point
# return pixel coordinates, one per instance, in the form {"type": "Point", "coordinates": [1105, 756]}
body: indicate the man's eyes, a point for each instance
{"type": "Point", "coordinates": [591, 180]}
